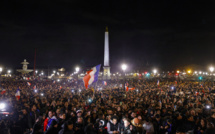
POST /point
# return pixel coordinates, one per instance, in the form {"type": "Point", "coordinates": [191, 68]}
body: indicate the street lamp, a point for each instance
{"type": "Point", "coordinates": [124, 67]}
{"type": "Point", "coordinates": [189, 71]}
{"type": "Point", "coordinates": [77, 69]}
{"type": "Point", "coordinates": [211, 69]}
{"type": "Point", "coordinates": [155, 71]}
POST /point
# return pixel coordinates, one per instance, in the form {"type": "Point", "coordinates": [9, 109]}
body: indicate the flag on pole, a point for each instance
{"type": "Point", "coordinates": [126, 84]}
{"type": "Point", "coordinates": [126, 88]}
{"type": "Point", "coordinates": [91, 76]}
{"type": "Point", "coordinates": [17, 94]}
{"type": "Point", "coordinates": [132, 88]}
{"type": "Point", "coordinates": [3, 91]}
{"type": "Point", "coordinates": [29, 84]}
{"type": "Point", "coordinates": [105, 83]}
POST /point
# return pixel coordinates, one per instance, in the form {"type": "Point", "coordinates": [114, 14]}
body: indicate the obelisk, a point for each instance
{"type": "Point", "coordinates": [106, 73]}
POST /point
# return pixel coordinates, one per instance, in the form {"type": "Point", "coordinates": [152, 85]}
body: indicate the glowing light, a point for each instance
{"type": "Point", "coordinates": [124, 67]}
{"type": "Point", "coordinates": [211, 69]}
{"type": "Point", "coordinates": [35, 91]}
{"type": "Point", "coordinates": [155, 71]}
{"type": "Point", "coordinates": [189, 71]}
{"type": "Point", "coordinates": [208, 107]}
{"type": "Point", "coordinates": [58, 80]}
{"type": "Point", "coordinates": [195, 72]}
{"type": "Point", "coordinates": [54, 71]}
{"type": "Point", "coordinates": [90, 100]}
{"type": "Point", "coordinates": [42, 94]}
{"type": "Point", "coordinates": [77, 69]}
{"type": "Point", "coordinates": [200, 72]}
{"type": "Point", "coordinates": [178, 71]}
{"type": "Point", "coordinates": [1, 69]}
{"type": "Point", "coordinates": [9, 71]}
{"type": "Point", "coordinates": [2, 106]}
{"type": "Point", "coordinates": [36, 71]}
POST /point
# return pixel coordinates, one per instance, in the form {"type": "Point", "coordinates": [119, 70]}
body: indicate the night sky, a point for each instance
{"type": "Point", "coordinates": [162, 33]}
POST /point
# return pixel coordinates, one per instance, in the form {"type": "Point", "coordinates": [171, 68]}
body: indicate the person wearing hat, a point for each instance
{"type": "Point", "coordinates": [137, 125]}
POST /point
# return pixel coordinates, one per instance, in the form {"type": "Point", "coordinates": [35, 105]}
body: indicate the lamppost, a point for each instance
{"type": "Point", "coordinates": [77, 70]}
{"type": "Point", "coordinates": [0, 75]}
{"type": "Point", "coordinates": [211, 69]}
{"type": "Point", "coordinates": [9, 71]}
{"type": "Point", "coordinates": [124, 67]}
{"type": "Point", "coordinates": [155, 71]}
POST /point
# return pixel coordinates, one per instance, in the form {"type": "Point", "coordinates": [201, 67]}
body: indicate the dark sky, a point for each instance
{"type": "Point", "coordinates": [65, 33]}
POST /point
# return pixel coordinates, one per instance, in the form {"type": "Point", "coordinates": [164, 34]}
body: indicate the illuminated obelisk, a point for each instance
{"type": "Point", "coordinates": [106, 73]}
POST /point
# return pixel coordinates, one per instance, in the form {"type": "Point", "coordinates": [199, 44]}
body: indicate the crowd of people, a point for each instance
{"type": "Point", "coordinates": [66, 107]}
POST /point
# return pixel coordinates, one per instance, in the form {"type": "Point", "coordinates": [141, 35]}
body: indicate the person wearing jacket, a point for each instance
{"type": "Point", "coordinates": [32, 116]}
{"type": "Point", "coordinates": [48, 121]}
{"type": "Point", "coordinates": [113, 126]}
{"type": "Point", "coordinates": [37, 128]}
{"type": "Point", "coordinates": [127, 128]}
{"type": "Point", "coordinates": [53, 129]}
{"type": "Point", "coordinates": [67, 128]}
{"type": "Point", "coordinates": [148, 127]}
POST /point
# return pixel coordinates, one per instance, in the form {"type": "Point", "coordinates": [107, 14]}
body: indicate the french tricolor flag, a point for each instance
{"type": "Point", "coordinates": [29, 84]}
{"type": "Point", "coordinates": [3, 91]}
{"type": "Point", "coordinates": [91, 76]}
{"type": "Point", "coordinates": [158, 83]}
{"type": "Point", "coordinates": [105, 83]}
{"type": "Point", "coordinates": [17, 94]}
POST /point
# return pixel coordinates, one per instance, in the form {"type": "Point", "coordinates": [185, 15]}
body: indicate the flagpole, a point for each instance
{"type": "Point", "coordinates": [34, 62]}
{"type": "Point", "coordinates": [96, 82]}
